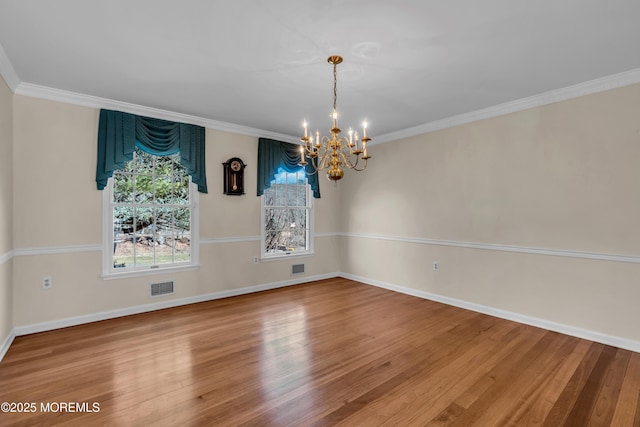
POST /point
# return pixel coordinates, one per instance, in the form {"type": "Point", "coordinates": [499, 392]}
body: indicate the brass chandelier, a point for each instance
{"type": "Point", "coordinates": [333, 152]}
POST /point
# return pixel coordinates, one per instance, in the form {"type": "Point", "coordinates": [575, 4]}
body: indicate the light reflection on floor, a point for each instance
{"type": "Point", "coordinates": [285, 360]}
{"type": "Point", "coordinates": [169, 368]}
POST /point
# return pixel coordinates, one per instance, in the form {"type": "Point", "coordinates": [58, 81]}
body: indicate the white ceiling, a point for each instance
{"type": "Point", "coordinates": [262, 64]}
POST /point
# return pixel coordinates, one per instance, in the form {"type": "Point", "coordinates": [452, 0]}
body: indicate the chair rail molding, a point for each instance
{"type": "Point", "coordinates": [499, 247]}
{"type": "Point", "coordinates": [6, 257]}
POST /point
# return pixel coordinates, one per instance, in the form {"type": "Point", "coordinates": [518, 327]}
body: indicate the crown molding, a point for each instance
{"type": "Point", "coordinates": [7, 71]}
{"type": "Point", "coordinates": [581, 89]}
{"type": "Point", "coordinates": [575, 91]}
{"type": "Point", "coordinates": [75, 98]}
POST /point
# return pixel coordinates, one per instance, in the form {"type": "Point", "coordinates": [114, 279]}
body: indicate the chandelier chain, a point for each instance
{"type": "Point", "coordinates": [335, 85]}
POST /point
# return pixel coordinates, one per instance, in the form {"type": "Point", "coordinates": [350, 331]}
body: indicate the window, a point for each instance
{"type": "Point", "coordinates": [287, 215]}
{"type": "Point", "coordinates": [150, 214]}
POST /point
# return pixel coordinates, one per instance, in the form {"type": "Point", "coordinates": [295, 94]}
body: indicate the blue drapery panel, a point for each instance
{"type": "Point", "coordinates": [276, 154]}
{"type": "Point", "coordinates": [119, 133]}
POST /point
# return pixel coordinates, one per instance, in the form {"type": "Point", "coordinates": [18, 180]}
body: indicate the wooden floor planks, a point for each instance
{"type": "Point", "coordinates": [334, 352]}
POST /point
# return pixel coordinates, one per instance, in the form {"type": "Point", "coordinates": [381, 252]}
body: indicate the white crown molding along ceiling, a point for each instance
{"type": "Point", "coordinates": [19, 87]}
{"type": "Point", "coordinates": [8, 73]}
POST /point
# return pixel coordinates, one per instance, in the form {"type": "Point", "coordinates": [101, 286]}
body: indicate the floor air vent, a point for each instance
{"type": "Point", "coordinates": [162, 288]}
{"type": "Point", "coordinates": [297, 269]}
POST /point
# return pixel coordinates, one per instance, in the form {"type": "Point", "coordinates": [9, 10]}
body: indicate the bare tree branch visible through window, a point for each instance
{"type": "Point", "coordinates": [286, 205]}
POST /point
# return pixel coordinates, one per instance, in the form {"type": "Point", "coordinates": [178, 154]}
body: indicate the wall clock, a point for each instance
{"type": "Point", "coordinates": [234, 176]}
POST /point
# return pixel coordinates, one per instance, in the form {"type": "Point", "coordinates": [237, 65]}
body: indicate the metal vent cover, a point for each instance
{"type": "Point", "coordinates": [162, 288]}
{"type": "Point", "coordinates": [297, 269]}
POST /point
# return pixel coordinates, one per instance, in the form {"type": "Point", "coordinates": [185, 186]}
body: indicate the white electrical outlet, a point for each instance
{"type": "Point", "coordinates": [47, 282]}
{"type": "Point", "coordinates": [435, 265]}
{"type": "Point", "coordinates": [256, 259]}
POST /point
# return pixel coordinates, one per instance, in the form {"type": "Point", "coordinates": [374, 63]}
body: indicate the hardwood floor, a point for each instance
{"type": "Point", "coordinates": [334, 352]}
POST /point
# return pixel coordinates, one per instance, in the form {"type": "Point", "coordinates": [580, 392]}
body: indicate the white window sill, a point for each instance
{"type": "Point", "coordinates": [148, 272]}
{"type": "Point", "coordinates": [284, 255]}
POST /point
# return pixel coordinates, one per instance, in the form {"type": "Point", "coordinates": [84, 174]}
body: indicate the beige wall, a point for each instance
{"type": "Point", "coordinates": [6, 168]}
{"type": "Point", "coordinates": [6, 211]}
{"type": "Point", "coordinates": [59, 207]}
{"type": "Point", "coordinates": [56, 200]}
{"type": "Point", "coordinates": [562, 177]}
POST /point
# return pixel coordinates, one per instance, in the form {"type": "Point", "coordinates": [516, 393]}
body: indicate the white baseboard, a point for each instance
{"type": "Point", "coordinates": [615, 341]}
{"type": "Point", "coordinates": [112, 314]}
{"type": "Point", "coordinates": [6, 344]}
{"type": "Point", "coordinates": [612, 340]}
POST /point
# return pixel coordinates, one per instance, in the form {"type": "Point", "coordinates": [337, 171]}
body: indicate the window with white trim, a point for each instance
{"type": "Point", "coordinates": [287, 216]}
{"type": "Point", "coordinates": [150, 216]}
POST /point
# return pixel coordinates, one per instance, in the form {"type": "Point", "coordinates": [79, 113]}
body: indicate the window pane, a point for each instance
{"type": "Point", "coordinates": [277, 222]}
{"type": "Point", "coordinates": [302, 195]}
{"type": "Point", "coordinates": [279, 241]}
{"type": "Point", "coordinates": [164, 236]}
{"type": "Point", "coordinates": [182, 220]}
{"type": "Point", "coordinates": [164, 251]}
{"type": "Point", "coordinates": [163, 166]}
{"type": "Point", "coordinates": [284, 244]}
{"type": "Point", "coordinates": [269, 197]}
{"type": "Point", "coordinates": [183, 248]}
{"type": "Point", "coordinates": [271, 240]}
{"type": "Point", "coordinates": [281, 176]}
{"type": "Point", "coordinates": [122, 220]}
{"type": "Point", "coordinates": [144, 162]}
{"type": "Point", "coordinates": [163, 189]}
{"type": "Point", "coordinates": [299, 218]}
{"type": "Point", "coordinates": [180, 189]}
{"type": "Point", "coordinates": [182, 234]}
{"type": "Point", "coordinates": [292, 195]}
{"type": "Point", "coordinates": [122, 187]}
{"type": "Point", "coordinates": [143, 189]}
{"type": "Point", "coordinates": [276, 218]}
{"type": "Point", "coordinates": [164, 222]}
{"type": "Point", "coordinates": [144, 250]}
{"type": "Point", "coordinates": [144, 220]}
{"type": "Point", "coordinates": [122, 237]}
{"type": "Point", "coordinates": [299, 240]}
{"type": "Point", "coordinates": [144, 237]}
{"type": "Point", "coordinates": [281, 194]}
{"type": "Point", "coordinates": [129, 167]}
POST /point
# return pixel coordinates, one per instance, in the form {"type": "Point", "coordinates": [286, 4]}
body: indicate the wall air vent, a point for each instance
{"type": "Point", "coordinates": [297, 269]}
{"type": "Point", "coordinates": [162, 288]}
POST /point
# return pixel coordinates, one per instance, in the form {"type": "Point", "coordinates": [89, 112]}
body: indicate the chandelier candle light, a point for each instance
{"type": "Point", "coordinates": [333, 152]}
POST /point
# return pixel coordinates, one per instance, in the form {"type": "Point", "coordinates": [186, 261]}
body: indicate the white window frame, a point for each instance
{"type": "Point", "coordinates": [110, 272]}
{"type": "Point", "coordinates": [310, 238]}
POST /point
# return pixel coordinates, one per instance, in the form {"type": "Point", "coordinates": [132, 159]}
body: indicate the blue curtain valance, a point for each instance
{"type": "Point", "coordinates": [119, 133]}
{"type": "Point", "coordinates": [274, 154]}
